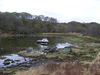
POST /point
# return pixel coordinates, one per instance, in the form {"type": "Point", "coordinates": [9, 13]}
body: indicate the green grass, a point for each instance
{"type": "Point", "coordinates": [86, 50]}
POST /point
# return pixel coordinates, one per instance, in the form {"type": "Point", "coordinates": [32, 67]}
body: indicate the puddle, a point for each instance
{"type": "Point", "coordinates": [15, 59]}
{"type": "Point", "coordinates": [11, 60]}
{"type": "Point", "coordinates": [63, 45]}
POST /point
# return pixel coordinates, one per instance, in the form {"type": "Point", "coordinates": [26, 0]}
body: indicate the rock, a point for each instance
{"type": "Point", "coordinates": [29, 49]}
{"type": "Point", "coordinates": [44, 40]}
{"type": "Point", "coordinates": [8, 61]}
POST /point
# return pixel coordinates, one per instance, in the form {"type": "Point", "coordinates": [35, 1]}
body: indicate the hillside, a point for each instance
{"type": "Point", "coordinates": [25, 23]}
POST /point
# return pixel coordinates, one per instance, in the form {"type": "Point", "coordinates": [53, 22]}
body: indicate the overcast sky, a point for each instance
{"type": "Point", "coordinates": [63, 10]}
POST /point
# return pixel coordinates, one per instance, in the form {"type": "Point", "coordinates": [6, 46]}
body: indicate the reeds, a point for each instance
{"type": "Point", "coordinates": [66, 68]}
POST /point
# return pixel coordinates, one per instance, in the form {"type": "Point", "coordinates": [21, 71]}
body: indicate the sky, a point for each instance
{"type": "Point", "coordinates": [63, 10]}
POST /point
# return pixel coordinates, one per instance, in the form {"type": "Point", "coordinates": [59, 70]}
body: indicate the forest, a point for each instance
{"type": "Point", "coordinates": [26, 23]}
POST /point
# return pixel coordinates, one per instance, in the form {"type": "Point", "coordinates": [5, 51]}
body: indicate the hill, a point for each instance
{"type": "Point", "coordinates": [25, 23]}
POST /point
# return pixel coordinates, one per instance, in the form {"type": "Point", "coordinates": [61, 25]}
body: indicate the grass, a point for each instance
{"type": "Point", "coordinates": [85, 51]}
{"type": "Point", "coordinates": [31, 54]}
{"type": "Point", "coordinates": [65, 68]}
{"type": "Point", "coordinates": [12, 70]}
{"type": "Point", "coordinates": [54, 69]}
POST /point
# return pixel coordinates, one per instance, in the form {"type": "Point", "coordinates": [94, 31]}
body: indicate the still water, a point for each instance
{"type": "Point", "coordinates": [15, 44]}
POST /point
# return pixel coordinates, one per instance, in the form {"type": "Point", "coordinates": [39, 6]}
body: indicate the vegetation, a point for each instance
{"type": "Point", "coordinates": [55, 69]}
{"type": "Point", "coordinates": [85, 50]}
{"type": "Point", "coordinates": [84, 35]}
{"type": "Point", "coordinates": [25, 23]}
{"type": "Point", "coordinates": [12, 70]}
{"type": "Point", "coordinates": [65, 68]}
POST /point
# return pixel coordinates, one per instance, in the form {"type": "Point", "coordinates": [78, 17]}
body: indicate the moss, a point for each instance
{"type": "Point", "coordinates": [49, 56]}
{"type": "Point", "coordinates": [31, 54]}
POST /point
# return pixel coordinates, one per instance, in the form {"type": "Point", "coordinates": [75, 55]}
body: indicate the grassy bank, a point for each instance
{"type": "Point", "coordinates": [84, 52]}
{"type": "Point", "coordinates": [65, 68]}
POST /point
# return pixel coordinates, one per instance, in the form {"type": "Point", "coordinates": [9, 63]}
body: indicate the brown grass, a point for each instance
{"type": "Point", "coordinates": [65, 68]}
{"type": "Point", "coordinates": [95, 66]}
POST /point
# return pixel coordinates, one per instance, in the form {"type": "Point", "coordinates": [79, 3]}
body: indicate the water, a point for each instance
{"type": "Point", "coordinates": [15, 44]}
{"type": "Point", "coordinates": [63, 45]}
{"type": "Point", "coordinates": [12, 59]}
{"type": "Point", "coordinates": [12, 45]}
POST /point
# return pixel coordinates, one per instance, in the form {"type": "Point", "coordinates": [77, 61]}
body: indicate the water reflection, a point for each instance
{"type": "Point", "coordinates": [15, 44]}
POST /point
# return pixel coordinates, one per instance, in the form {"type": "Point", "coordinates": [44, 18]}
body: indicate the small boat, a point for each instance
{"type": "Point", "coordinates": [44, 40]}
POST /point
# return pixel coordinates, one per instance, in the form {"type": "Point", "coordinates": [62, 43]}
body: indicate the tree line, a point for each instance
{"type": "Point", "coordinates": [25, 23]}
